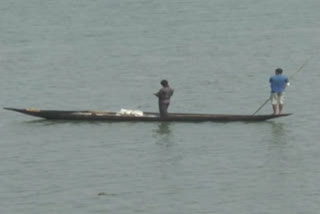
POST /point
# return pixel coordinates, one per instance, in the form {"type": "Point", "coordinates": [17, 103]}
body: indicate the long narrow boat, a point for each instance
{"type": "Point", "coordinates": [146, 116]}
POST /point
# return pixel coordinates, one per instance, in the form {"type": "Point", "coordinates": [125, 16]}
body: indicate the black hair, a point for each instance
{"type": "Point", "coordinates": [279, 71]}
{"type": "Point", "coordinates": [164, 83]}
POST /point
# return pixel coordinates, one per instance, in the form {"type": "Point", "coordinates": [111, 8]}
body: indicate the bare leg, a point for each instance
{"type": "Point", "coordinates": [274, 107]}
{"type": "Point", "coordinates": [280, 108]}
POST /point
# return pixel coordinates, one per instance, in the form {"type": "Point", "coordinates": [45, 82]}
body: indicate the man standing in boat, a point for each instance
{"type": "Point", "coordinates": [278, 84]}
{"type": "Point", "coordinates": [164, 95]}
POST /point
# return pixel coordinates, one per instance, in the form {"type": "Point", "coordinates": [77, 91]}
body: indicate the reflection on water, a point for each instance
{"type": "Point", "coordinates": [46, 122]}
{"type": "Point", "coordinates": [278, 133]}
{"type": "Point", "coordinates": [163, 134]}
{"type": "Point", "coordinates": [278, 151]}
{"type": "Point", "coordinates": [42, 122]}
{"type": "Point", "coordinates": [277, 128]}
{"type": "Point", "coordinates": [163, 128]}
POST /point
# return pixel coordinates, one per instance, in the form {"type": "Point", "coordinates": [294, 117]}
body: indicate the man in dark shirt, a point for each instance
{"type": "Point", "coordinates": [164, 95]}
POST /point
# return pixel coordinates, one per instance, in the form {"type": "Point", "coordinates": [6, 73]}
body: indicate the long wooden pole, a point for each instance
{"type": "Point", "coordinates": [291, 77]}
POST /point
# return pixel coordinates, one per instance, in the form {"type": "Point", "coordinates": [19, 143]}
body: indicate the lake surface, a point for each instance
{"type": "Point", "coordinates": [110, 54]}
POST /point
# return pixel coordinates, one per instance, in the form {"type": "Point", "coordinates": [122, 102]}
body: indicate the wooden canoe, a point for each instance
{"type": "Point", "coordinates": [147, 116]}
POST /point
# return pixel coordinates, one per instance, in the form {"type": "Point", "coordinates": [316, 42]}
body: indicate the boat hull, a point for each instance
{"type": "Point", "coordinates": [147, 116]}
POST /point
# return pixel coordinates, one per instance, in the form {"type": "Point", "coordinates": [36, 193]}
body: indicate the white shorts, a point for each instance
{"type": "Point", "coordinates": [277, 98]}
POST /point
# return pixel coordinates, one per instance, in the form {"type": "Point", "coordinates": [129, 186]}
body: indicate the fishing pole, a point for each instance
{"type": "Point", "coordinates": [290, 78]}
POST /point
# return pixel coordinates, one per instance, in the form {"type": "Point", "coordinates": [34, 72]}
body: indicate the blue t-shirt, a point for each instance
{"type": "Point", "coordinates": [278, 83]}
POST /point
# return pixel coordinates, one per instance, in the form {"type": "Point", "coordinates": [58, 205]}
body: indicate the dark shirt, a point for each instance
{"type": "Point", "coordinates": [164, 94]}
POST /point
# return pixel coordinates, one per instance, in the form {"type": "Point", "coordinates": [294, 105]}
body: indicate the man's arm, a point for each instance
{"type": "Point", "coordinates": [157, 94]}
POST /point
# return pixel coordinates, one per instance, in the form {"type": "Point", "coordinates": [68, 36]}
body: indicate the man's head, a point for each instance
{"type": "Point", "coordinates": [164, 83]}
{"type": "Point", "coordinates": [278, 71]}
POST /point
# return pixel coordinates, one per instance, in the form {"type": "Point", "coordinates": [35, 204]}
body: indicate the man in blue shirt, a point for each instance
{"type": "Point", "coordinates": [278, 84]}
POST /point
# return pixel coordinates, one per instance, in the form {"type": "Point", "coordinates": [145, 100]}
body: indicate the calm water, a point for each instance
{"type": "Point", "coordinates": [112, 54]}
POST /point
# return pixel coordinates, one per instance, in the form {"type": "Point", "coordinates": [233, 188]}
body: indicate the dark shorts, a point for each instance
{"type": "Point", "coordinates": [163, 109]}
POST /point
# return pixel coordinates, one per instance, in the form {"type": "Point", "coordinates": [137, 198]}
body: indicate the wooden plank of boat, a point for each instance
{"type": "Point", "coordinates": [147, 116]}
